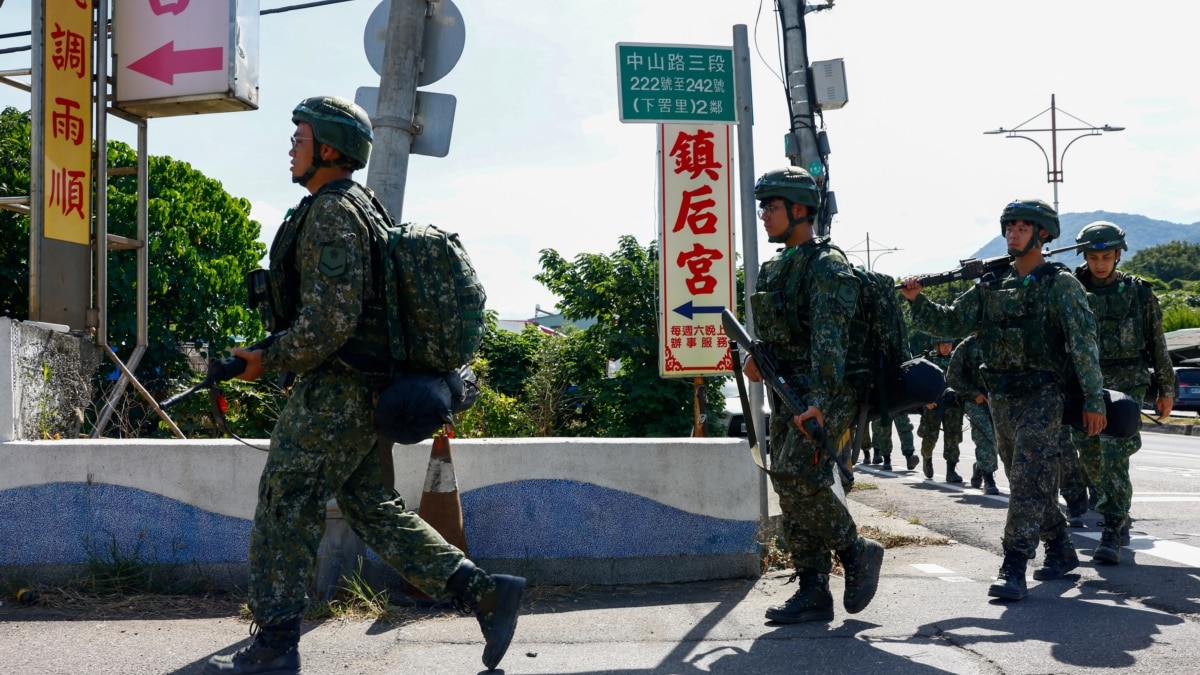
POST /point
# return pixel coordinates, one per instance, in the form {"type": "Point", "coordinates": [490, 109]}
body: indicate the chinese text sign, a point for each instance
{"type": "Point", "coordinates": [67, 119]}
{"type": "Point", "coordinates": [696, 275]}
{"type": "Point", "coordinates": [675, 83]}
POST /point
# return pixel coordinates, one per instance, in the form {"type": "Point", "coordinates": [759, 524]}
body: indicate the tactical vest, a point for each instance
{"type": "Point", "coordinates": [367, 348]}
{"type": "Point", "coordinates": [1118, 310]}
{"type": "Point", "coordinates": [1023, 349]}
{"type": "Point", "coordinates": [781, 305]}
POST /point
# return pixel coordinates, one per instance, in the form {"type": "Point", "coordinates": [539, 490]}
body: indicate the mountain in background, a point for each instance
{"type": "Point", "coordinates": [1140, 232]}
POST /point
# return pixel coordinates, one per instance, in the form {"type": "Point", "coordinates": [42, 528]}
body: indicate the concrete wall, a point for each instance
{"type": "Point", "coordinates": [555, 510]}
{"type": "Point", "coordinates": [46, 380]}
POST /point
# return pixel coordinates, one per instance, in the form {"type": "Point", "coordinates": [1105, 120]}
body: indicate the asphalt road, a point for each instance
{"type": "Point", "coordinates": [931, 614]}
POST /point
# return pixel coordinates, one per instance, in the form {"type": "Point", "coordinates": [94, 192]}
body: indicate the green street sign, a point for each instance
{"type": "Point", "coordinates": [689, 84]}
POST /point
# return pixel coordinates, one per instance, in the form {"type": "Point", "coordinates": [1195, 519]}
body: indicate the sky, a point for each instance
{"type": "Point", "coordinates": [540, 160]}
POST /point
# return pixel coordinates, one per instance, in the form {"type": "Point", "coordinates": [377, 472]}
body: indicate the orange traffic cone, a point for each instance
{"type": "Point", "coordinates": [440, 505]}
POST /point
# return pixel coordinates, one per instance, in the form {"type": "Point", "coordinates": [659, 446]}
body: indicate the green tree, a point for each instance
{"type": "Point", "coordinates": [14, 227]}
{"type": "Point", "coordinates": [1176, 260]}
{"type": "Point", "coordinates": [201, 244]}
{"type": "Point", "coordinates": [619, 291]}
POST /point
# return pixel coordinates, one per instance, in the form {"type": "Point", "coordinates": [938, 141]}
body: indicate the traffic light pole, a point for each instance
{"type": "Point", "coordinates": [803, 148]}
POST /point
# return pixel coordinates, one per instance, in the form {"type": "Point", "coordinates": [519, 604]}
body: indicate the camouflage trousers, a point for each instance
{"type": "Point", "coordinates": [983, 435]}
{"type": "Point", "coordinates": [1027, 440]}
{"type": "Point", "coordinates": [1105, 462]}
{"type": "Point", "coordinates": [1072, 483]}
{"type": "Point", "coordinates": [324, 445]}
{"type": "Point", "coordinates": [881, 438]}
{"type": "Point", "coordinates": [813, 520]}
{"type": "Point", "coordinates": [951, 422]}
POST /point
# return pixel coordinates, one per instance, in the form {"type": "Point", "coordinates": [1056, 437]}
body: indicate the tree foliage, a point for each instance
{"type": "Point", "coordinates": [1174, 261]}
{"type": "Point", "coordinates": [201, 244]}
{"type": "Point", "coordinates": [619, 291]}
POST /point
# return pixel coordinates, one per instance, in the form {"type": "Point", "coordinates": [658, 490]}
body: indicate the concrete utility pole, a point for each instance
{"type": "Point", "coordinates": [393, 120]}
{"type": "Point", "coordinates": [803, 148]}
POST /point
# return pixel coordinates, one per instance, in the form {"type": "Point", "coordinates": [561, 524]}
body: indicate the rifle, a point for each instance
{"type": "Point", "coordinates": [974, 268]}
{"type": "Point", "coordinates": [779, 385]}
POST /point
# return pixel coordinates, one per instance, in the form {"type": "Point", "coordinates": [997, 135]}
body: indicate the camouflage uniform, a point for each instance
{"type": "Point", "coordinates": [1025, 325]}
{"type": "Point", "coordinates": [880, 438]}
{"type": "Point", "coordinates": [1131, 342]}
{"type": "Point", "coordinates": [802, 306]}
{"type": "Point", "coordinates": [964, 377]}
{"type": "Point", "coordinates": [325, 444]}
{"type": "Point", "coordinates": [934, 420]}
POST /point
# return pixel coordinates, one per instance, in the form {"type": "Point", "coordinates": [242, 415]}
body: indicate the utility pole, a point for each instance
{"type": "Point", "coordinates": [393, 120]}
{"type": "Point", "coordinates": [803, 143]}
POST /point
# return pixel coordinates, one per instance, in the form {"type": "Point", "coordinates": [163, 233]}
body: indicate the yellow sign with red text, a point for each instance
{"type": "Point", "coordinates": [67, 119]}
{"type": "Point", "coordinates": [696, 278]}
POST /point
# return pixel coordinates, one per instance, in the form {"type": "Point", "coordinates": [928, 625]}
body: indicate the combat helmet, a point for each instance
{"type": "Point", "coordinates": [791, 184]}
{"type": "Point", "coordinates": [339, 123]}
{"type": "Point", "coordinates": [1033, 211]}
{"type": "Point", "coordinates": [1101, 236]}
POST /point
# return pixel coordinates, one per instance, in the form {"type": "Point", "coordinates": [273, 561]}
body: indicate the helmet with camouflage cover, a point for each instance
{"type": "Point", "coordinates": [793, 185]}
{"type": "Point", "coordinates": [1101, 236]}
{"type": "Point", "coordinates": [1035, 212]}
{"type": "Point", "coordinates": [339, 123]}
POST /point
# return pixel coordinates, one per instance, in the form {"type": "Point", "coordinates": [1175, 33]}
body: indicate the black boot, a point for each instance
{"type": "Point", "coordinates": [810, 602]}
{"type": "Point", "coordinates": [1125, 531]}
{"type": "Point", "coordinates": [927, 466]}
{"type": "Point", "coordinates": [1060, 559]}
{"type": "Point", "coordinates": [1076, 510]}
{"type": "Point", "coordinates": [862, 562]}
{"type": "Point", "coordinates": [1109, 550]}
{"type": "Point", "coordinates": [989, 483]}
{"type": "Point", "coordinates": [1010, 584]}
{"type": "Point", "coordinates": [951, 475]}
{"type": "Point", "coordinates": [494, 599]}
{"type": "Point", "coordinates": [976, 476]}
{"type": "Point", "coordinates": [887, 463]}
{"type": "Point", "coordinates": [876, 457]}
{"type": "Point", "coordinates": [275, 651]}
{"type": "Point", "coordinates": [911, 460]}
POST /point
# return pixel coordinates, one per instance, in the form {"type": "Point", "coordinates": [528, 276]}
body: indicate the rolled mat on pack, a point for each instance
{"type": "Point", "coordinates": [1124, 414]}
{"type": "Point", "coordinates": [915, 384]}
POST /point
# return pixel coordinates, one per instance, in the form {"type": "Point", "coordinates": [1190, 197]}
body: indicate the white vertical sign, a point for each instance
{"type": "Point", "coordinates": [696, 278]}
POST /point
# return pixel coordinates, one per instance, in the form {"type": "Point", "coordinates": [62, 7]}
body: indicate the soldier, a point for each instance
{"type": "Point", "coordinates": [1131, 344]}
{"type": "Point", "coordinates": [1036, 334]}
{"type": "Point", "coordinates": [880, 439]}
{"type": "Point", "coordinates": [803, 303]}
{"type": "Point", "coordinates": [946, 413]}
{"type": "Point", "coordinates": [963, 375]}
{"type": "Point", "coordinates": [327, 308]}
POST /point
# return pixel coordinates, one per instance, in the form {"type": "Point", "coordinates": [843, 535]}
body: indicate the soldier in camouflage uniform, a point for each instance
{"type": "Point", "coordinates": [325, 313]}
{"type": "Point", "coordinates": [965, 378]}
{"type": "Point", "coordinates": [803, 303]}
{"type": "Point", "coordinates": [1131, 344]}
{"type": "Point", "coordinates": [880, 439]}
{"type": "Point", "coordinates": [1037, 335]}
{"type": "Point", "coordinates": [947, 414]}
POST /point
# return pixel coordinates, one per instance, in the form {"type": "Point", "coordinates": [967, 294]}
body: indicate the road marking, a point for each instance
{"type": "Point", "coordinates": [1159, 548]}
{"type": "Point", "coordinates": [943, 574]}
{"type": "Point", "coordinates": [929, 568]}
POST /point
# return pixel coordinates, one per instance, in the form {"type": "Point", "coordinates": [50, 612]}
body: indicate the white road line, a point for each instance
{"type": "Point", "coordinates": [929, 568]}
{"type": "Point", "coordinates": [1167, 550]}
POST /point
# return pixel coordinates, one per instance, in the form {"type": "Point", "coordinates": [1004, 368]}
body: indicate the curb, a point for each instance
{"type": "Point", "coordinates": [1168, 428]}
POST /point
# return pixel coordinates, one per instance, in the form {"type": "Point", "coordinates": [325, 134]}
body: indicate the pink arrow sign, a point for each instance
{"type": "Point", "coordinates": [165, 63]}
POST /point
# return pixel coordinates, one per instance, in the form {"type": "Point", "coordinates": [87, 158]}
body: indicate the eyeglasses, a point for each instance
{"type": "Point", "coordinates": [296, 140]}
{"type": "Point", "coordinates": [767, 210]}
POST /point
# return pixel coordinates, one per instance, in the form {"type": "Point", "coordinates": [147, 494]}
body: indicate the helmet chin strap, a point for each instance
{"type": "Point", "coordinates": [315, 163]}
{"type": "Point", "coordinates": [1035, 240]}
{"type": "Point", "coordinates": [792, 223]}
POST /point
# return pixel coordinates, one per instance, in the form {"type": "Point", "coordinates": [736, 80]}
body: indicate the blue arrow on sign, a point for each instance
{"type": "Point", "coordinates": [690, 311]}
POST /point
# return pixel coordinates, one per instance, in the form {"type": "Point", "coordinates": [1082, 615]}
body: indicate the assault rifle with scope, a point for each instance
{"type": "Point", "coordinates": [974, 268]}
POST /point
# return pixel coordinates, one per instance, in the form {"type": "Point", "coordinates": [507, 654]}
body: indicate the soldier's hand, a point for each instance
{"type": "Point", "coordinates": [1164, 405]}
{"type": "Point", "coordinates": [931, 406]}
{"type": "Point", "coordinates": [980, 399]}
{"type": "Point", "coordinates": [254, 366]}
{"type": "Point", "coordinates": [811, 412]}
{"type": "Point", "coordinates": [750, 369]}
{"type": "Point", "coordinates": [910, 287]}
{"type": "Point", "coordinates": [1094, 423]}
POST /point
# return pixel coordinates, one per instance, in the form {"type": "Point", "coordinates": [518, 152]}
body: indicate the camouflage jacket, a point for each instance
{"type": "Point", "coordinates": [962, 373]}
{"type": "Point", "coordinates": [1130, 333]}
{"type": "Point", "coordinates": [1063, 330]}
{"type": "Point", "coordinates": [803, 303]}
{"type": "Point", "coordinates": [321, 259]}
